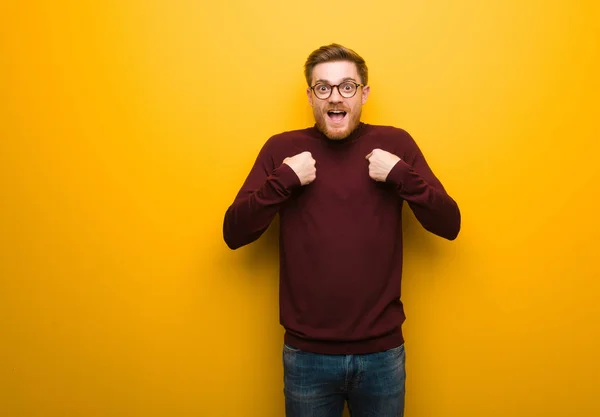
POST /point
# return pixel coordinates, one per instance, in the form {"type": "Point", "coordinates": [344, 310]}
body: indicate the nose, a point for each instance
{"type": "Point", "coordinates": [335, 96]}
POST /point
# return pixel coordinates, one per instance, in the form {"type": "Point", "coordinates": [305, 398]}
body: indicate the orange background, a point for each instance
{"type": "Point", "coordinates": [126, 128]}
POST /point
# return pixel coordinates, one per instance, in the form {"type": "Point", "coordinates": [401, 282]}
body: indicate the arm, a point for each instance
{"type": "Point", "coordinates": [415, 182]}
{"type": "Point", "coordinates": [265, 190]}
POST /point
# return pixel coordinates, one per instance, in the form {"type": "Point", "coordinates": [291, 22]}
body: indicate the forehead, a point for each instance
{"type": "Point", "coordinates": [334, 72]}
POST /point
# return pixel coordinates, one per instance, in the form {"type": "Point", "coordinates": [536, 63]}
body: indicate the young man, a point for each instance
{"type": "Point", "coordinates": [339, 188]}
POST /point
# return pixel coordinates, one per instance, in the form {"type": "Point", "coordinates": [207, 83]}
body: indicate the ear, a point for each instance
{"type": "Point", "coordinates": [366, 90]}
{"type": "Point", "coordinates": [310, 96]}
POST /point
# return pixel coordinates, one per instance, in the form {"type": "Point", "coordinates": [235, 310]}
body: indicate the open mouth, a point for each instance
{"type": "Point", "coordinates": [336, 116]}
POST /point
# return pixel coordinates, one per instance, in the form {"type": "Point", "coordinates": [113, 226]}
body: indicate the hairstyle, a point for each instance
{"type": "Point", "coordinates": [332, 53]}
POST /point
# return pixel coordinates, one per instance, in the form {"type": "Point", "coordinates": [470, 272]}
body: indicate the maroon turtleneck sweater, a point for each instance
{"type": "Point", "coordinates": [340, 236]}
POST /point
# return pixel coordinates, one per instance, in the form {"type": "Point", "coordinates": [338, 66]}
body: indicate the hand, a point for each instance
{"type": "Point", "coordinates": [303, 165]}
{"type": "Point", "coordinates": [381, 163]}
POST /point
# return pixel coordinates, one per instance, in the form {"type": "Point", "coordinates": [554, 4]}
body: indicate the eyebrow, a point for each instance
{"type": "Point", "coordinates": [327, 81]}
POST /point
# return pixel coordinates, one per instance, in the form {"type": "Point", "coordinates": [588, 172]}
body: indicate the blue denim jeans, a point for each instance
{"type": "Point", "coordinates": [317, 385]}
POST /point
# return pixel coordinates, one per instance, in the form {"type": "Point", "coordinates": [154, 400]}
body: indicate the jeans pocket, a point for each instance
{"type": "Point", "coordinates": [289, 348]}
{"type": "Point", "coordinates": [398, 350]}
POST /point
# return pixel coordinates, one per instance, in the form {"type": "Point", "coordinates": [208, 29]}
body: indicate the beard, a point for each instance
{"type": "Point", "coordinates": [337, 133]}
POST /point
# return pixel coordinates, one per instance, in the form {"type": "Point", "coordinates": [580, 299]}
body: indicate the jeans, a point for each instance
{"type": "Point", "coordinates": [317, 385]}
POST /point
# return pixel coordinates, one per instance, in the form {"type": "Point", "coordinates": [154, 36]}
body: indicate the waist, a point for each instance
{"type": "Point", "coordinates": [353, 347]}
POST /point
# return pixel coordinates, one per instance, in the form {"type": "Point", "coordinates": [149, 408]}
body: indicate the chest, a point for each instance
{"type": "Point", "coordinates": [342, 179]}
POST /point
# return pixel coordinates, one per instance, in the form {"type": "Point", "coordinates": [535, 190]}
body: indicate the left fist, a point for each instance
{"type": "Point", "coordinates": [381, 163]}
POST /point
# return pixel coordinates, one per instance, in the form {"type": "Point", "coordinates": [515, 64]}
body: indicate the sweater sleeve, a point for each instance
{"type": "Point", "coordinates": [415, 182]}
{"type": "Point", "coordinates": [265, 190]}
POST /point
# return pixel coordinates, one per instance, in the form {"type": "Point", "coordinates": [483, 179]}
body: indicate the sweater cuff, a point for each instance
{"type": "Point", "coordinates": [399, 174]}
{"type": "Point", "coordinates": [287, 177]}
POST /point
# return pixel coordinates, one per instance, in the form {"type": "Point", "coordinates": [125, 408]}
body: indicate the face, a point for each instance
{"type": "Point", "coordinates": [337, 116]}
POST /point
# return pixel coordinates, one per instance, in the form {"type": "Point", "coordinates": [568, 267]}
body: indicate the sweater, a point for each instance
{"type": "Point", "coordinates": [340, 237]}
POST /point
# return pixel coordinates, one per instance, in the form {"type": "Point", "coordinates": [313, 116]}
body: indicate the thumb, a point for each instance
{"type": "Point", "coordinates": [369, 155]}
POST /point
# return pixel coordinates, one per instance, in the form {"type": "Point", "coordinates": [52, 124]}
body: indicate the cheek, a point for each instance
{"type": "Point", "coordinates": [318, 106]}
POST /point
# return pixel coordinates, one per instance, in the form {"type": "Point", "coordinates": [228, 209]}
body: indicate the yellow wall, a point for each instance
{"type": "Point", "coordinates": [127, 127]}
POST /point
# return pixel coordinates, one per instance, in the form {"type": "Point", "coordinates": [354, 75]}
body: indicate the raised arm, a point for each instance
{"type": "Point", "coordinates": [416, 183]}
{"type": "Point", "coordinates": [265, 190]}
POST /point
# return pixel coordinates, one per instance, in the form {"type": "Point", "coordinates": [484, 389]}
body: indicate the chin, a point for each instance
{"type": "Point", "coordinates": [339, 132]}
{"type": "Point", "coordinates": [336, 134]}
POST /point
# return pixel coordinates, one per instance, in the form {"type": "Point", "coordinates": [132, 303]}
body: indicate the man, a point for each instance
{"type": "Point", "coordinates": [339, 188]}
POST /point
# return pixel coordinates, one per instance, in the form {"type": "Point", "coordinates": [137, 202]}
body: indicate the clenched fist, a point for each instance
{"type": "Point", "coordinates": [381, 163]}
{"type": "Point", "coordinates": [303, 165]}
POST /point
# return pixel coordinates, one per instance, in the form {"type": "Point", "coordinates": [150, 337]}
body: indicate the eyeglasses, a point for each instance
{"type": "Point", "coordinates": [347, 89]}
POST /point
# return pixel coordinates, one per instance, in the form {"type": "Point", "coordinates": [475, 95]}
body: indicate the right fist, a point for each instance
{"type": "Point", "coordinates": [303, 165]}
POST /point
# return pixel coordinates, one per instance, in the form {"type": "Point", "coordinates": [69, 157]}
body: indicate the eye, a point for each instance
{"type": "Point", "coordinates": [347, 87]}
{"type": "Point", "coordinates": [322, 88]}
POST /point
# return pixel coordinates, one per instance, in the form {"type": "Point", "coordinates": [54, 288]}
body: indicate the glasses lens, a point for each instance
{"type": "Point", "coordinates": [347, 89]}
{"type": "Point", "coordinates": [322, 90]}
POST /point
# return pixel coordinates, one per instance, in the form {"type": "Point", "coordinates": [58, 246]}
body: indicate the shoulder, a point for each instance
{"type": "Point", "coordinates": [392, 137]}
{"type": "Point", "coordinates": [286, 144]}
{"type": "Point", "coordinates": [290, 138]}
{"type": "Point", "coordinates": [391, 132]}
